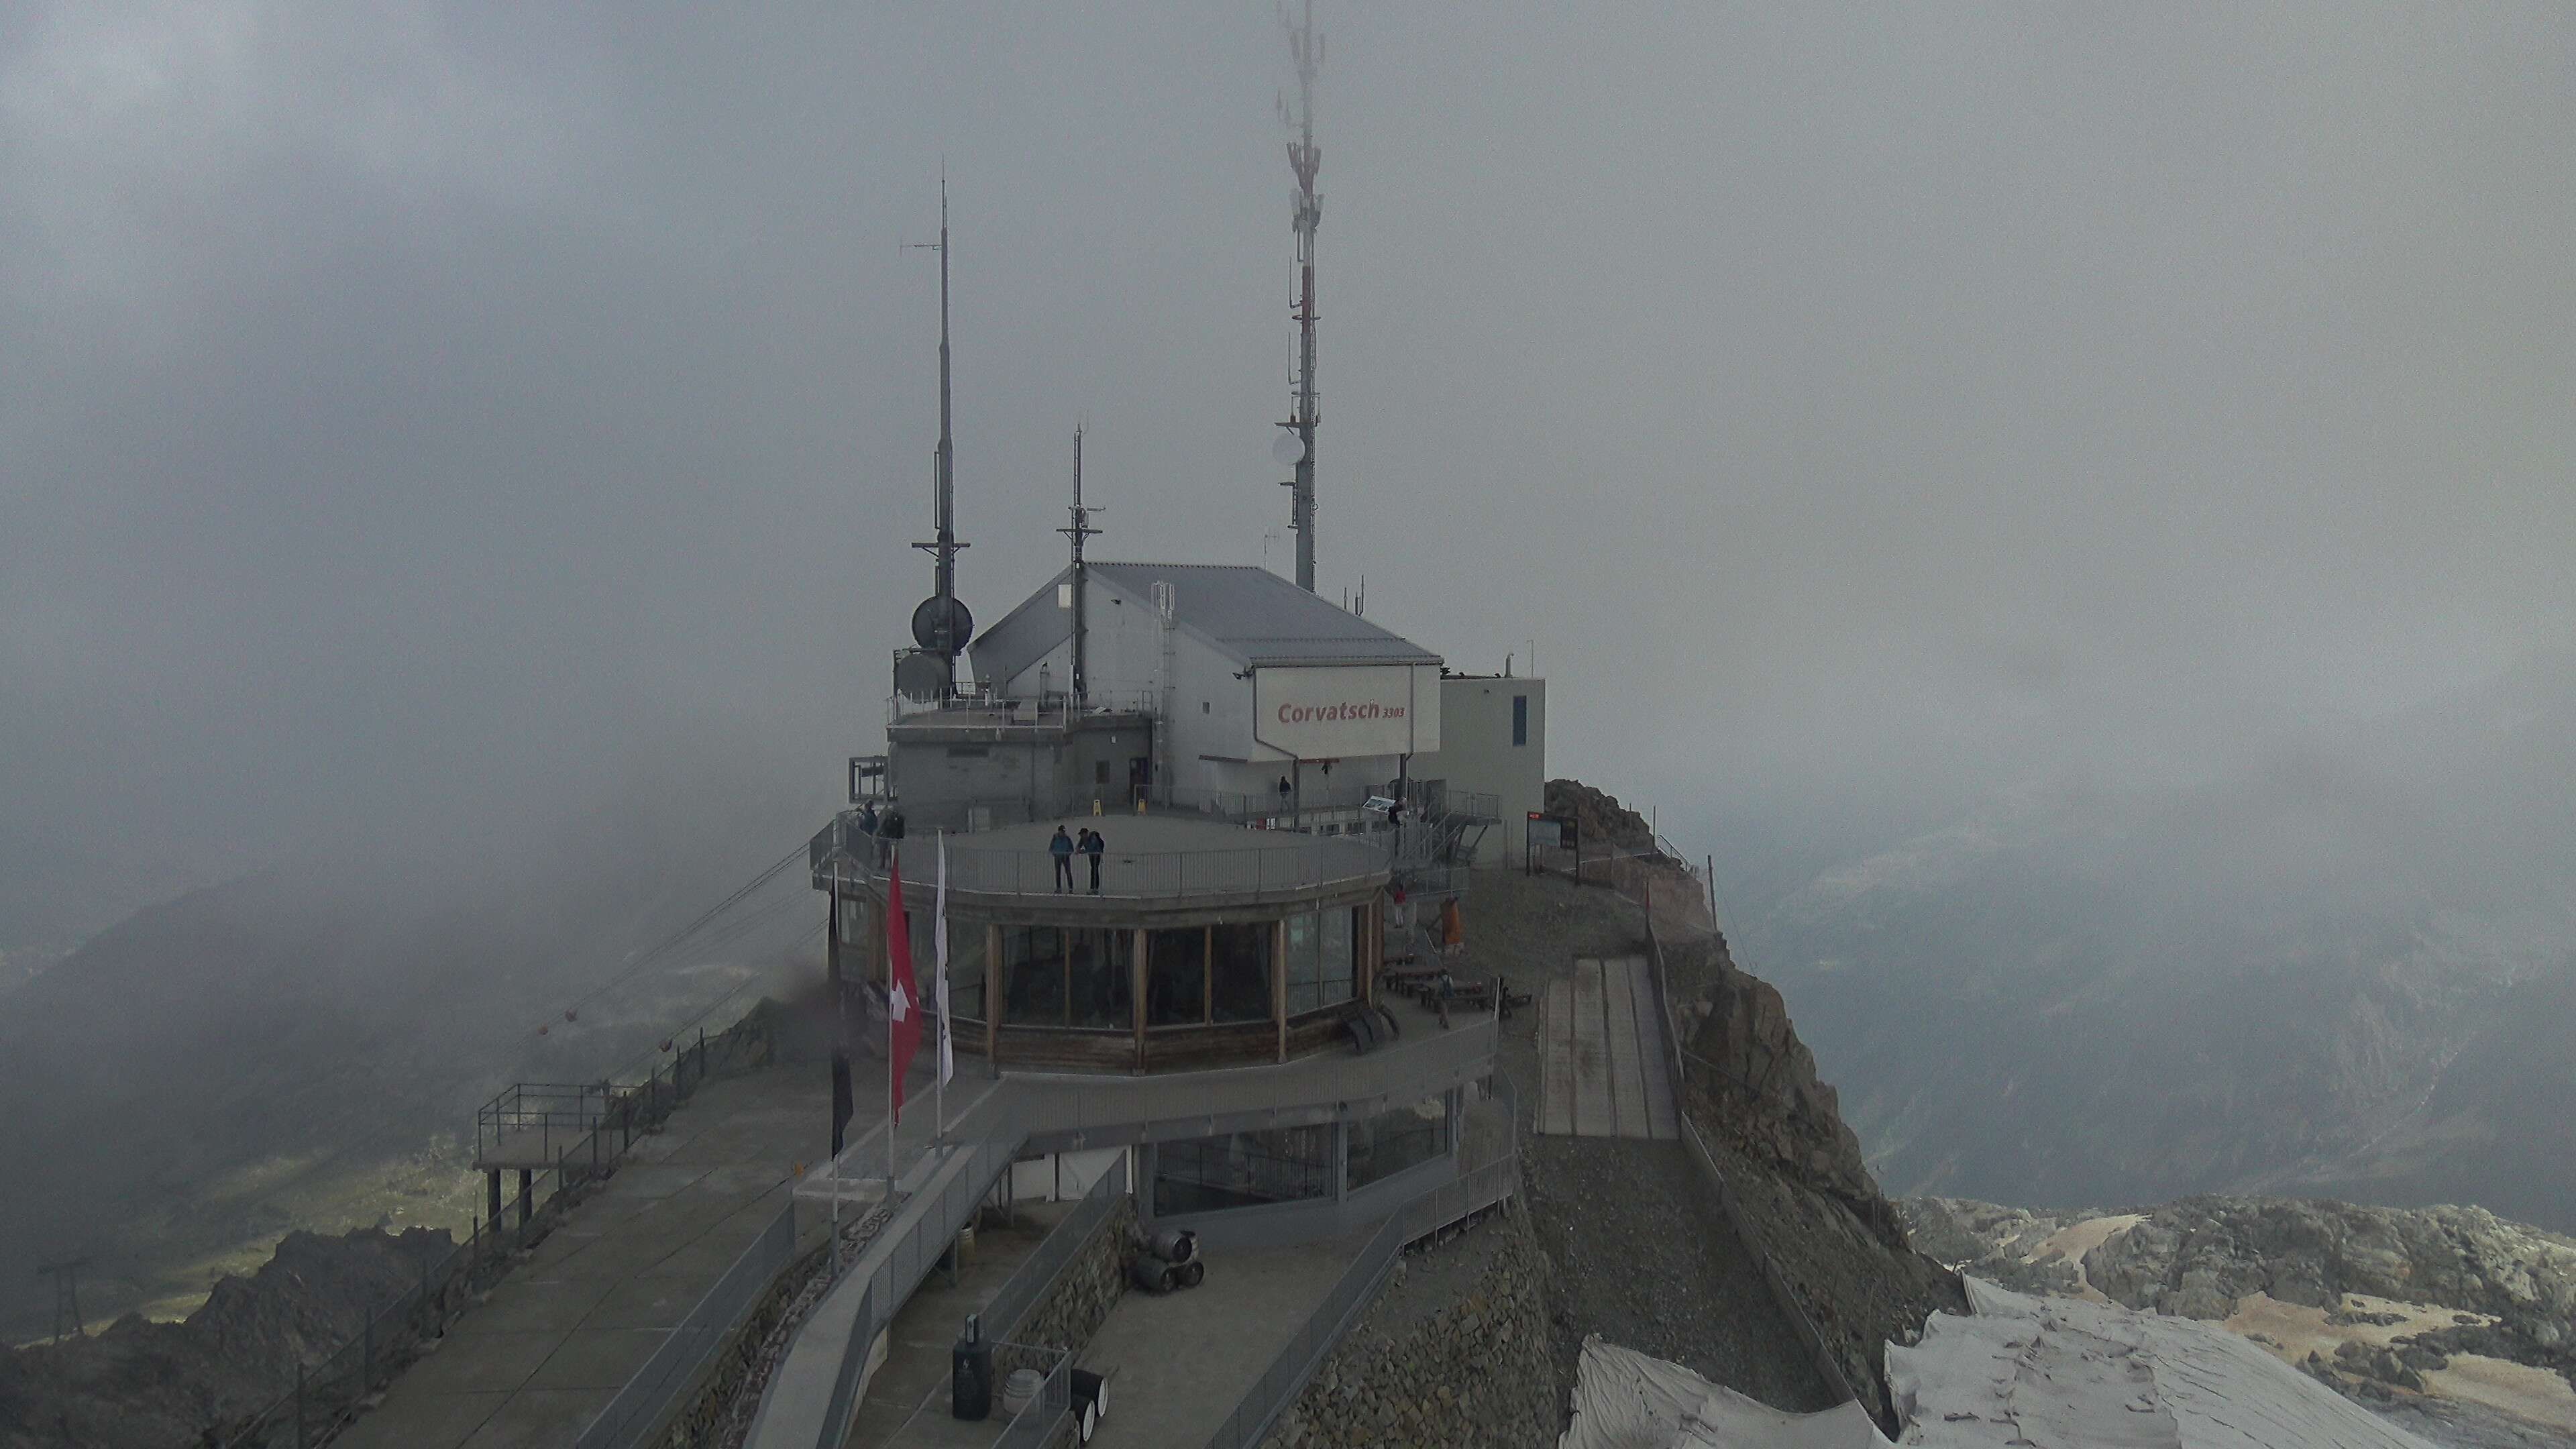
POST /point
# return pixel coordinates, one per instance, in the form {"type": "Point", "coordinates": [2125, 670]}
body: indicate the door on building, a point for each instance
{"type": "Point", "coordinates": [1140, 778]}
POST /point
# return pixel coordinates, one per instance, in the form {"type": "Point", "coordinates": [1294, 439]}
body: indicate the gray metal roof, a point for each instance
{"type": "Point", "coordinates": [1249, 614]}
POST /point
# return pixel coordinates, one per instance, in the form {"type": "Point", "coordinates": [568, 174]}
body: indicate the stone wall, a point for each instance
{"type": "Point", "coordinates": [1442, 1367]}
{"type": "Point", "coordinates": [1078, 1302]}
{"type": "Point", "coordinates": [710, 1402]}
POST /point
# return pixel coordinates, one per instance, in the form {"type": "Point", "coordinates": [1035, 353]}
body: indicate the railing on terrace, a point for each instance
{"type": "Point", "coordinates": [1485, 1187]}
{"type": "Point", "coordinates": [1054, 710]}
{"type": "Point", "coordinates": [1028, 1282]}
{"type": "Point", "coordinates": [1125, 875]}
{"type": "Point", "coordinates": [597, 1124]}
{"type": "Point", "coordinates": [640, 1405]}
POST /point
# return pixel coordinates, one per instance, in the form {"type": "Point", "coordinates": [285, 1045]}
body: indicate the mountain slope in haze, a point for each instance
{"type": "Point", "coordinates": [2350, 972]}
{"type": "Point", "coordinates": [305, 1046]}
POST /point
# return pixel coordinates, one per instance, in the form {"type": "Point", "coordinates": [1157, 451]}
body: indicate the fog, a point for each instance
{"type": "Point", "coordinates": [423, 409]}
{"type": "Point", "coordinates": [425, 415]}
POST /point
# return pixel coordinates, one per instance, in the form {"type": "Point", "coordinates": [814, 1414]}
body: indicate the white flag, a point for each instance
{"type": "Point", "coordinates": [939, 940]}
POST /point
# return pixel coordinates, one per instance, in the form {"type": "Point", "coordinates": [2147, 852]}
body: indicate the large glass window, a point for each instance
{"type": "Point", "coordinates": [1239, 971]}
{"type": "Point", "coordinates": [1321, 949]}
{"type": "Point", "coordinates": [1176, 977]}
{"type": "Point", "coordinates": [1243, 1169]}
{"type": "Point", "coordinates": [966, 971]}
{"type": "Point", "coordinates": [1066, 976]}
{"type": "Point", "coordinates": [1393, 1140]}
{"type": "Point", "coordinates": [1033, 968]}
{"type": "Point", "coordinates": [1102, 970]}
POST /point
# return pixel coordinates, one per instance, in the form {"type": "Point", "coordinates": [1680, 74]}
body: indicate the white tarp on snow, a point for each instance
{"type": "Point", "coordinates": [2051, 1373]}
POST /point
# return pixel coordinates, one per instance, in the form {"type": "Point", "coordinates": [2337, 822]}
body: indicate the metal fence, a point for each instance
{"type": "Point", "coordinates": [327, 1392]}
{"type": "Point", "coordinates": [647, 1396]}
{"type": "Point", "coordinates": [1035, 1426]}
{"type": "Point", "coordinates": [910, 1258]}
{"type": "Point", "coordinates": [1452, 1202]}
{"type": "Point", "coordinates": [1038, 1272]}
{"type": "Point", "coordinates": [1298, 864]}
{"type": "Point", "coordinates": [578, 1132]}
{"type": "Point", "coordinates": [1829, 1368]}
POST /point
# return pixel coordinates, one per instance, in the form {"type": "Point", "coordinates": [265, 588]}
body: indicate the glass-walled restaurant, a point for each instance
{"type": "Point", "coordinates": [1150, 996]}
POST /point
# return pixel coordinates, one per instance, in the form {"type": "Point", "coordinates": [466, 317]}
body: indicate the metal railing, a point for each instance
{"type": "Point", "coordinates": [1829, 1368]}
{"type": "Point", "coordinates": [1038, 1272]}
{"type": "Point", "coordinates": [646, 1397]}
{"type": "Point", "coordinates": [1294, 866]}
{"type": "Point", "coordinates": [984, 710]}
{"type": "Point", "coordinates": [599, 1124]}
{"type": "Point", "coordinates": [1034, 1427]}
{"type": "Point", "coordinates": [933, 1227]}
{"type": "Point", "coordinates": [1488, 1186]}
{"type": "Point", "coordinates": [1078, 1111]}
{"type": "Point", "coordinates": [327, 1392]}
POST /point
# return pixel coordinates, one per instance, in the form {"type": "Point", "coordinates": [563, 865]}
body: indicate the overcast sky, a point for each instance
{"type": "Point", "coordinates": [405, 403]}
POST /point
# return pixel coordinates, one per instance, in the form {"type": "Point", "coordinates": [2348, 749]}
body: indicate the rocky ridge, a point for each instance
{"type": "Point", "coordinates": [145, 1384]}
{"type": "Point", "coordinates": [2388, 1297]}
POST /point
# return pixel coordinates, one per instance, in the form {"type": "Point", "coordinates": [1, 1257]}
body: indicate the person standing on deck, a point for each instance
{"type": "Point", "coordinates": [1094, 845]}
{"type": "Point", "coordinates": [1062, 849]}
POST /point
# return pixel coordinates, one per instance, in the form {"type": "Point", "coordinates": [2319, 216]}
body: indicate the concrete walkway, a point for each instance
{"type": "Point", "coordinates": [1181, 1361]}
{"type": "Point", "coordinates": [907, 1401]}
{"type": "Point", "coordinates": [564, 1331]}
{"type": "Point", "coordinates": [1602, 1071]}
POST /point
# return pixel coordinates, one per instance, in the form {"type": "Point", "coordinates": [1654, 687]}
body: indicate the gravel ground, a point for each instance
{"type": "Point", "coordinates": [1643, 1259]}
{"type": "Point", "coordinates": [1642, 1255]}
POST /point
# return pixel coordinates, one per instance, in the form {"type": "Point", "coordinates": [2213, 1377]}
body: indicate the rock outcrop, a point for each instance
{"type": "Point", "coordinates": [143, 1385]}
{"type": "Point", "coordinates": [1775, 1130]}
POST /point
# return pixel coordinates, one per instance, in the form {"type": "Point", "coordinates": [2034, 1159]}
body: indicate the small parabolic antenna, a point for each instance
{"type": "Point", "coordinates": [1288, 448]}
{"type": "Point", "coordinates": [920, 677]}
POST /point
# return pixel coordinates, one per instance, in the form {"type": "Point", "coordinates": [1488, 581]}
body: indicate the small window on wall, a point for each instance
{"type": "Point", "coordinates": [1520, 719]}
{"type": "Point", "coordinates": [1176, 977]}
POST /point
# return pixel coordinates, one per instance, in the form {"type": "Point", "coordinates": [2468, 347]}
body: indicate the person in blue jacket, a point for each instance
{"type": "Point", "coordinates": [1062, 849]}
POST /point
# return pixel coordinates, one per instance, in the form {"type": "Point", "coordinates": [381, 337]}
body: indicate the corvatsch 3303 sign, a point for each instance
{"type": "Point", "coordinates": [1331, 712]}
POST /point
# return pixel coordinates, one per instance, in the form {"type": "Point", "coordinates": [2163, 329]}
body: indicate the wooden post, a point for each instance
{"type": "Point", "coordinates": [1279, 982]}
{"type": "Point", "coordinates": [1372, 945]}
{"type": "Point", "coordinates": [1136, 994]}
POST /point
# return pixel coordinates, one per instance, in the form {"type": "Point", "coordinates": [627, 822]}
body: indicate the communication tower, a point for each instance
{"type": "Point", "coordinates": [1297, 444]}
{"type": "Point", "coordinates": [1079, 530]}
{"type": "Point", "coordinates": [941, 625]}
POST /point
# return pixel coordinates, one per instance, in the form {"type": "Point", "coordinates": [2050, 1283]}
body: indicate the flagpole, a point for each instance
{"type": "Point", "coordinates": [894, 1089]}
{"type": "Point", "coordinates": [939, 992]}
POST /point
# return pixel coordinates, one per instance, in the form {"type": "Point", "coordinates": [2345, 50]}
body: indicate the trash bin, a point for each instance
{"type": "Point", "coordinates": [970, 1375]}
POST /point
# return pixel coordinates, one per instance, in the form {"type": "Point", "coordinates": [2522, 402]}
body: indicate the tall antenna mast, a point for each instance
{"type": "Point", "coordinates": [1079, 530]}
{"type": "Point", "coordinates": [941, 626]}
{"type": "Point", "coordinates": [1306, 48]}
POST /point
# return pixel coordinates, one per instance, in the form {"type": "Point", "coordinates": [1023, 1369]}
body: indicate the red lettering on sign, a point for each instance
{"type": "Point", "coordinates": [1339, 712]}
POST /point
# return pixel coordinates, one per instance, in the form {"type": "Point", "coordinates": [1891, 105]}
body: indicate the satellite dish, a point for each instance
{"type": "Point", "coordinates": [920, 678]}
{"type": "Point", "coordinates": [1288, 448]}
{"type": "Point", "coordinates": [942, 625]}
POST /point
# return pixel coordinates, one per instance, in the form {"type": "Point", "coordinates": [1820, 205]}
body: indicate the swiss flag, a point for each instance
{"type": "Point", "coordinates": [903, 997]}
